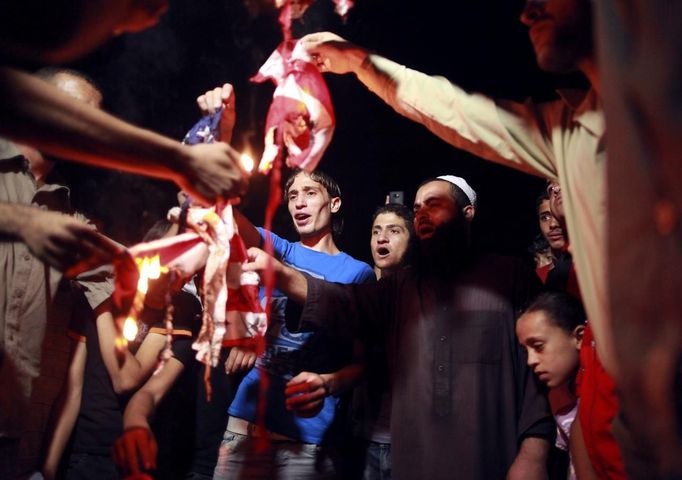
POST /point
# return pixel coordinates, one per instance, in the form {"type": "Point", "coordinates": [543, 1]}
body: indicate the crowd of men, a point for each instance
{"type": "Point", "coordinates": [442, 361]}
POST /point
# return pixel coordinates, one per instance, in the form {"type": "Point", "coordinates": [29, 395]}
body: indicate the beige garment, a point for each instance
{"type": "Point", "coordinates": [561, 140]}
{"type": "Point", "coordinates": [27, 287]}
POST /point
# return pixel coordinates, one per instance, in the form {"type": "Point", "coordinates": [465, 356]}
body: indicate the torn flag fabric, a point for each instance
{"type": "Point", "coordinates": [300, 120]}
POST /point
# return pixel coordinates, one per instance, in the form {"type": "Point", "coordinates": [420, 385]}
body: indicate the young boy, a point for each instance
{"type": "Point", "coordinates": [551, 330]}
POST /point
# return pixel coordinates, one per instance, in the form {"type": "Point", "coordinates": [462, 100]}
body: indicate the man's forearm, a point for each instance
{"type": "Point", "coordinates": [531, 461]}
{"type": "Point", "coordinates": [74, 130]}
{"type": "Point", "coordinates": [139, 410]}
{"type": "Point", "coordinates": [343, 379]}
{"type": "Point", "coordinates": [292, 282]}
{"type": "Point", "coordinates": [247, 230]}
{"type": "Point", "coordinates": [64, 413]}
{"type": "Point", "coordinates": [12, 216]}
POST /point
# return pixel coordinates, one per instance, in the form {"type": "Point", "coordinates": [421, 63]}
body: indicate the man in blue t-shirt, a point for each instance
{"type": "Point", "coordinates": [306, 370]}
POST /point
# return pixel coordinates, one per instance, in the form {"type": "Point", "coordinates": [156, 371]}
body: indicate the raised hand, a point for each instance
{"type": "Point", "coordinates": [212, 172]}
{"type": "Point", "coordinates": [218, 97]}
{"type": "Point", "coordinates": [332, 53]}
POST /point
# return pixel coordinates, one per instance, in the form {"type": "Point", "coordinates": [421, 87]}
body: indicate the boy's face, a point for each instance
{"type": "Point", "coordinates": [310, 206]}
{"type": "Point", "coordinates": [556, 203]}
{"type": "Point", "coordinates": [553, 354]}
{"type": "Point", "coordinates": [550, 228]}
{"type": "Point", "coordinates": [389, 241]}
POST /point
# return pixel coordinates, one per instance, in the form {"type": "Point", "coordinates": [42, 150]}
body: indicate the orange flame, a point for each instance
{"type": "Point", "coordinates": [130, 329]}
{"type": "Point", "coordinates": [247, 162]}
{"type": "Point", "coordinates": [150, 268]}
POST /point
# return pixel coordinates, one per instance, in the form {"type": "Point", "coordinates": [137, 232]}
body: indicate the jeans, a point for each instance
{"type": "Point", "coordinates": [378, 462]}
{"type": "Point", "coordinates": [238, 458]}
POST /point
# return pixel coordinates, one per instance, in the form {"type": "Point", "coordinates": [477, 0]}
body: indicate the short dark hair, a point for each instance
{"type": "Point", "coordinates": [158, 230]}
{"type": "Point", "coordinates": [329, 184]}
{"type": "Point", "coordinates": [563, 310]}
{"type": "Point", "coordinates": [401, 211]}
{"type": "Point", "coordinates": [461, 198]}
{"type": "Point", "coordinates": [541, 198]}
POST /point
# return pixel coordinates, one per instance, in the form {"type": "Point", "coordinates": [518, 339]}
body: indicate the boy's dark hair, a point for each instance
{"type": "Point", "coordinates": [541, 198]}
{"type": "Point", "coordinates": [158, 230]}
{"type": "Point", "coordinates": [401, 211]}
{"type": "Point", "coordinates": [329, 184]}
{"type": "Point", "coordinates": [564, 310]}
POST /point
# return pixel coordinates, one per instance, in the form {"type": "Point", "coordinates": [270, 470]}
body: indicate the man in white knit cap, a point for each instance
{"type": "Point", "coordinates": [464, 402]}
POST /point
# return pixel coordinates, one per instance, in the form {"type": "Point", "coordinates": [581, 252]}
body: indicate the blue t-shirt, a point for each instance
{"type": "Point", "coordinates": [287, 354]}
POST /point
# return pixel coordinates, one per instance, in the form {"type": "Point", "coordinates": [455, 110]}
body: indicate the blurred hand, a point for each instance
{"type": "Point", "coordinates": [135, 451]}
{"type": "Point", "coordinates": [212, 100]}
{"type": "Point", "coordinates": [65, 242]}
{"type": "Point", "coordinates": [258, 261]}
{"type": "Point", "coordinates": [213, 172]}
{"type": "Point", "coordinates": [240, 359]}
{"type": "Point", "coordinates": [332, 53]}
{"type": "Point", "coordinates": [305, 394]}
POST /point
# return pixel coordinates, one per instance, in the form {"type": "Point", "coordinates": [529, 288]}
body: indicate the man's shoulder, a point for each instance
{"type": "Point", "coordinates": [341, 267]}
{"type": "Point", "coordinates": [346, 269]}
{"type": "Point", "coordinates": [364, 271]}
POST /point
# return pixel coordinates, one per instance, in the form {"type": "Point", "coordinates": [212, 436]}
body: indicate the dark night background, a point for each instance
{"type": "Point", "coordinates": [153, 78]}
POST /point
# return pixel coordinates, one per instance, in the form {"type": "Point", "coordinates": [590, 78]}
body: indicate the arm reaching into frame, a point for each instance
{"type": "Point", "coordinates": [209, 103]}
{"type": "Point", "coordinates": [289, 280]}
{"type": "Point", "coordinates": [136, 449]}
{"type": "Point", "coordinates": [59, 240]}
{"type": "Point", "coordinates": [34, 112]}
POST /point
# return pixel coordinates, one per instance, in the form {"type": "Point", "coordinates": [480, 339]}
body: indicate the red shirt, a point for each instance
{"type": "Point", "coordinates": [598, 406]}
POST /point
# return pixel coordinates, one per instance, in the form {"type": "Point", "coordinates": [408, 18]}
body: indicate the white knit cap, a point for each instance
{"type": "Point", "coordinates": [461, 183]}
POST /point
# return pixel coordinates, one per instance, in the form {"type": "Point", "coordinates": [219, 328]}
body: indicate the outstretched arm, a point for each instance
{"type": "Point", "coordinates": [137, 442]}
{"type": "Point", "coordinates": [132, 370]}
{"type": "Point", "coordinates": [289, 280]}
{"type": "Point", "coordinates": [531, 461]}
{"type": "Point", "coordinates": [65, 412]}
{"type": "Point", "coordinates": [503, 132]}
{"type": "Point", "coordinates": [35, 112]}
{"type": "Point", "coordinates": [209, 103]}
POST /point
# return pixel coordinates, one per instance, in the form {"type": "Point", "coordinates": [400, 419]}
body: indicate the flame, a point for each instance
{"type": "Point", "coordinates": [270, 152]}
{"type": "Point", "coordinates": [247, 162]}
{"type": "Point", "coordinates": [130, 329]}
{"type": "Point", "coordinates": [150, 268]}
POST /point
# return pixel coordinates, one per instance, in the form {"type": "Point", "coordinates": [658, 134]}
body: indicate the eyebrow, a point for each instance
{"type": "Point", "coordinates": [391, 225]}
{"type": "Point", "coordinates": [532, 339]}
{"type": "Point", "coordinates": [304, 189]}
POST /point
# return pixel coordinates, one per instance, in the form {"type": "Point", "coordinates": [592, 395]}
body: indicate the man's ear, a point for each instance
{"type": "Point", "coordinates": [469, 211]}
{"type": "Point", "coordinates": [578, 333]}
{"type": "Point", "coordinates": [335, 204]}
